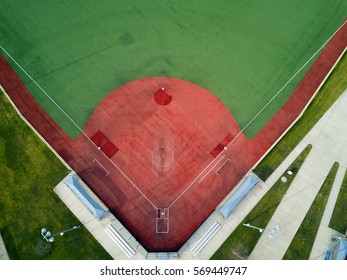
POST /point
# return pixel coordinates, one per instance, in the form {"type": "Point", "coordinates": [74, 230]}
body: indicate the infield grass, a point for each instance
{"type": "Point", "coordinates": [242, 52]}
{"type": "Point", "coordinates": [29, 171]}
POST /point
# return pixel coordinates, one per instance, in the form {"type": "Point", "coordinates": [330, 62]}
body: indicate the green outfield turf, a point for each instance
{"type": "Point", "coordinates": [242, 51]}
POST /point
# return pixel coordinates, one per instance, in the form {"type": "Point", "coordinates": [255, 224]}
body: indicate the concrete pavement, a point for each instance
{"type": "Point", "coordinates": [3, 251]}
{"type": "Point", "coordinates": [329, 140]}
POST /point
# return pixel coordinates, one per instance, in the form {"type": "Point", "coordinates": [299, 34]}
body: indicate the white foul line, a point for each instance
{"type": "Point", "coordinates": [55, 103]}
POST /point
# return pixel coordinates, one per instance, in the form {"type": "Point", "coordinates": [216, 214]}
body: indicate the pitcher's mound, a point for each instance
{"type": "Point", "coordinates": [162, 97]}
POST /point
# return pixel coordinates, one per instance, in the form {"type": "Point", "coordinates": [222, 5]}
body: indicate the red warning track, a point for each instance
{"type": "Point", "coordinates": [155, 151]}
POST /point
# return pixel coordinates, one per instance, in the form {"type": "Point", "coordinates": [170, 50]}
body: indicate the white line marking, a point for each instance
{"type": "Point", "coordinates": [211, 169]}
{"type": "Point", "coordinates": [102, 167]}
{"type": "Point", "coordinates": [55, 103]}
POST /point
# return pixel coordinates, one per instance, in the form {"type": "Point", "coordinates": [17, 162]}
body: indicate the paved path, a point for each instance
{"type": "Point", "coordinates": [94, 226]}
{"type": "Point", "coordinates": [3, 251]}
{"type": "Point", "coordinates": [329, 140]}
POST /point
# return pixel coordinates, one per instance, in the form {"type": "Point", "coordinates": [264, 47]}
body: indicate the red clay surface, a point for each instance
{"type": "Point", "coordinates": [162, 97]}
{"type": "Point", "coordinates": [190, 189]}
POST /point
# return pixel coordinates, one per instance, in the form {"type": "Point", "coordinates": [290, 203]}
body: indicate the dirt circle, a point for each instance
{"type": "Point", "coordinates": [162, 97]}
{"type": "Point", "coordinates": [162, 160]}
{"type": "Point", "coordinates": [162, 156]}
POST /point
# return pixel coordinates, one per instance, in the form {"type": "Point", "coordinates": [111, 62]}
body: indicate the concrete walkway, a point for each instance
{"type": "Point", "coordinates": [97, 227]}
{"type": "Point", "coordinates": [3, 251]}
{"type": "Point", "coordinates": [329, 140]}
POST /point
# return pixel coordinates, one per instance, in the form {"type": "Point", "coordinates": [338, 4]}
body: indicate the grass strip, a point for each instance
{"type": "Point", "coordinates": [242, 241]}
{"type": "Point", "coordinates": [334, 86]}
{"type": "Point", "coordinates": [338, 220]}
{"type": "Point", "coordinates": [301, 246]}
{"type": "Point", "coordinates": [29, 171]}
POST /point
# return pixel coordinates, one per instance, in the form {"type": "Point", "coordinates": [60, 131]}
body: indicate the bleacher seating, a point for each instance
{"type": "Point", "coordinates": [122, 244]}
{"type": "Point", "coordinates": [202, 242]}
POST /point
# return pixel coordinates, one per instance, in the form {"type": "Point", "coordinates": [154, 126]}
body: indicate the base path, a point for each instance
{"type": "Point", "coordinates": [167, 144]}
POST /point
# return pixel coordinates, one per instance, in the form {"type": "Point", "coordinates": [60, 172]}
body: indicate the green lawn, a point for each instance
{"type": "Point", "coordinates": [79, 51]}
{"type": "Point", "coordinates": [339, 217]}
{"type": "Point", "coordinates": [29, 171]}
{"type": "Point", "coordinates": [243, 239]}
{"type": "Point", "coordinates": [301, 246]}
{"type": "Point", "coordinates": [335, 85]}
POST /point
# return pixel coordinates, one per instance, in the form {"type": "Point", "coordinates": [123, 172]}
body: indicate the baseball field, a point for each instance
{"type": "Point", "coordinates": [245, 53]}
{"type": "Point", "coordinates": [162, 107]}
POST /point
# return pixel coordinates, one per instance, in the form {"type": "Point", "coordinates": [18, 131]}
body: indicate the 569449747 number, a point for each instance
{"type": "Point", "coordinates": [226, 270]}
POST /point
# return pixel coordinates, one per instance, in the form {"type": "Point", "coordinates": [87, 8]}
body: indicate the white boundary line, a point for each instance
{"type": "Point", "coordinates": [107, 172]}
{"type": "Point", "coordinates": [55, 103]}
{"type": "Point", "coordinates": [267, 104]}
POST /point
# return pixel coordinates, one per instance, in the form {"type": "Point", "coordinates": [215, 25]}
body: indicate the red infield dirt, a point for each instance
{"type": "Point", "coordinates": [169, 150]}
